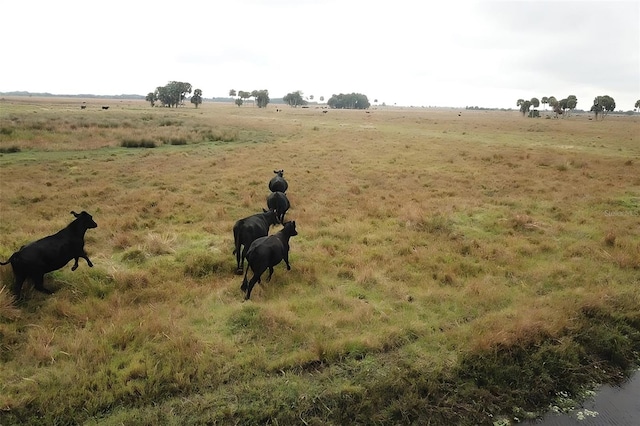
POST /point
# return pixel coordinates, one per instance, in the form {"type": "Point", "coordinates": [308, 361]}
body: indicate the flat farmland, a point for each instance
{"type": "Point", "coordinates": [451, 267]}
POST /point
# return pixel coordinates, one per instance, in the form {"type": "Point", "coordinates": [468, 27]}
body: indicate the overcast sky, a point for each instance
{"type": "Point", "coordinates": [404, 52]}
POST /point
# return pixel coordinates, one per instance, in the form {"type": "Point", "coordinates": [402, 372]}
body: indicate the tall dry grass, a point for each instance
{"type": "Point", "coordinates": [427, 240]}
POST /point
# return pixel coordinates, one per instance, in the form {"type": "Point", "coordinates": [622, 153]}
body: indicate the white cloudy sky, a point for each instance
{"type": "Point", "coordinates": [404, 52]}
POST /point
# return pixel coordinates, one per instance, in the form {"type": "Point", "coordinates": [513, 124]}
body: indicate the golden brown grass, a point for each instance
{"type": "Point", "coordinates": [425, 239]}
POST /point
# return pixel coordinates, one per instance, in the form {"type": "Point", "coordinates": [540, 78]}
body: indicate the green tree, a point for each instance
{"type": "Point", "coordinates": [524, 106]}
{"type": "Point", "coordinates": [603, 104]}
{"type": "Point", "coordinates": [563, 104]}
{"type": "Point", "coordinates": [637, 106]}
{"type": "Point", "coordinates": [321, 98]}
{"type": "Point", "coordinates": [243, 95]}
{"type": "Point", "coordinates": [239, 102]}
{"type": "Point", "coordinates": [173, 94]}
{"type": "Point", "coordinates": [311, 97]}
{"type": "Point", "coordinates": [349, 101]}
{"type": "Point", "coordinates": [535, 102]}
{"type": "Point", "coordinates": [151, 98]}
{"type": "Point", "coordinates": [572, 102]}
{"type": "Point", "coordinates": [262, 98]}
{"type": "Point", "coordinates": [196, 99]}
{"type": "Point", "coordinates": [544, 101]}
{"type": "Point", "coordinates": [232, 93]}
{"type": "Point", "coordinates": [552, 101]}
{"type": "Point", "coordinates": [294, 99]}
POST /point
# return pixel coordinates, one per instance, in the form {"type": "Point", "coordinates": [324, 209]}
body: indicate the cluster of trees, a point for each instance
{"type": "Point", "coordinates": [349, 101]}
{"type": "Point", "coordinates": [558, 106]}
{"type": "Point", "coordinates": [260, 97]}
{"type": "Point", "coordinates": [173, 94]}
{"type": "Point", "coordinates": [294, 99]}
{"type": "Point", "coordinates": [601, 104]}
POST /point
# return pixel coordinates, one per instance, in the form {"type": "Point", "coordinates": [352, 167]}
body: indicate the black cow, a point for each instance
{"type": "Point", "coordinates": [105, 107]}
{"type": "Point", "coordinates": [246, 230]}
{"type": "Point", "coordinates": [278, 183]}
{"type": "Point", "coordinates": [279, 203]}
{"type": "Point", "coordinates": [50, 253]}
{"type": "Point", "coordinates": [267, 252]}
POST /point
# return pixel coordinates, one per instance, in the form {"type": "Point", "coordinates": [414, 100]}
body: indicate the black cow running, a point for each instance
{"type": "Point", "coordinates": [34, 260]}
{"type": "Point", "coordinates": [267, 252]}
{"type": "Point", "coordinates": [278, 183]}
{"type": "Point", "coordinates": [246, 230]}
{"type": "Point", "coordinates": [279, 203]}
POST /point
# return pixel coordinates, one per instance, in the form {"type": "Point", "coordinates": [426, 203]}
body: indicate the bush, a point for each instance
{"type": "Point", "coordinates": [142, 143]}
{"type": "Point", "coordinates": [9, 150]}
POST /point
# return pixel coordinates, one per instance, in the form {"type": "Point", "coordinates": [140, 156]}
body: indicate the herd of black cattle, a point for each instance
{"type": "Point", "coordinates": [262, 251]}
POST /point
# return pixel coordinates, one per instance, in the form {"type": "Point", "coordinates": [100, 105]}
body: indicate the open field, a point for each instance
{"type": "Point", "coordinates": [449, 269]}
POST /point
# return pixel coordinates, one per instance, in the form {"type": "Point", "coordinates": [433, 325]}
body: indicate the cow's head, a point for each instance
{"type": "Point", "coordinates": [290, 228]}
{"type": "Point", "coordinates": [271, 216]}
{"type": "Point", "coordinates": [85, 219]}
{"type": "Point", "coordinates": [279, 172]}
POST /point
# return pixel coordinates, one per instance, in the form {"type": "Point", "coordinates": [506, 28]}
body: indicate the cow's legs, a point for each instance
{"type": "Point", "coordinates": [253, 281]}
{"type": "Point", "coordinates": [17, 285]}
{"type": "Point", "coordinates": [38, 282]}
{"type": "Point", "coordinates": [270, 273]}
{"type": "Point", "coordinates": [85, 257]}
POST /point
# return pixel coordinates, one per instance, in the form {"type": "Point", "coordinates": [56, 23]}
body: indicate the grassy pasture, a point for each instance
{"type": "Point", "coordinates": [449, 268]}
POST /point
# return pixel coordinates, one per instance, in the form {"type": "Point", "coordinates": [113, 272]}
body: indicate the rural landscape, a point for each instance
{"type": "Point", "coordinates": [450, 266]}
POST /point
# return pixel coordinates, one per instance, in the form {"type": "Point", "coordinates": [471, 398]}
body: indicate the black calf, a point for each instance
{"type": "Point", "coordinates": [34, 260]}
{"type": "Point", "coordinates": [267, 252]}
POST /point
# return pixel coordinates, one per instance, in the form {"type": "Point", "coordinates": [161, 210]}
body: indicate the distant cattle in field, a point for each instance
{"type": "Point", "coordinates": [34, 260]}
{"type": "Point", "coordinates": [105, 107]}
{"type": "Point", "coordinates": [83, 107]}
{"type": "Point", "coordinates": [247, 230]}
{"type": "Point", "coordinates": [265, 253]}
{"type": "Point", "coordinates": [325, 111]}
{"type": "Point", "coordinates": [278, 182]}
{"type": "Point", "coordinates": [279, 203]}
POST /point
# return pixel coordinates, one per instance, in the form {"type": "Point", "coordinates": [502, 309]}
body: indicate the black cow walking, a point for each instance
{"type": "Point", "coordinates": [279, 203]}
{"type": "Point", "coordinates": [246, 230]}
{"type": "Point", "coordinates": [267, 252]}
{"type": "Point", "coordinates": [278, 183]}
{"type": "Point", "coordinates": [34, 260]}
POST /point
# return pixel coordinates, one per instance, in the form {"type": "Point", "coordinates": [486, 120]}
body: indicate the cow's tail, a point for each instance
{"type": "Point", "coordinates": [236, 240]}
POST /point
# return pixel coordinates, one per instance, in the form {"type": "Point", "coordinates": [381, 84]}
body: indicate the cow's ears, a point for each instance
{"type": "Point", "coordinates": [74, 213]}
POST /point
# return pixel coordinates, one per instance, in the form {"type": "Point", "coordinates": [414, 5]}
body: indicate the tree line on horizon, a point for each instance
{"type": "Point", "coordinates": [601, 105]}
{"type": "Point", "coordinates": [174, 93]}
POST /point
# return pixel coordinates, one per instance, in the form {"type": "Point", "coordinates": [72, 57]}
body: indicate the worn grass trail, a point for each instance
{"type": "Point", "coordinates": [446, 266]}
